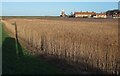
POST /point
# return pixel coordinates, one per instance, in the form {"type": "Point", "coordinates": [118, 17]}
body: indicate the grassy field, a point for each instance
{"type": "Point", "coordinates": [60, 18]}
{"type": "Point", "coordinates": [0, 33]}
{"type": "Point", "coordinates": [22, 62]}
{"type": "Point", "coordinates": [89, 45]}
{"type": "Point", "coordinates": [0, 48]}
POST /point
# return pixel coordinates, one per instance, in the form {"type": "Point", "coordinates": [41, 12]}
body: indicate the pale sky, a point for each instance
{"type": "Point", "coordinates": [53, 8]}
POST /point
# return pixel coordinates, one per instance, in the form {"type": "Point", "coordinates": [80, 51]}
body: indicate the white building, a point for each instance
{"type": "Point", "coordinates": [100, 15]}
{"type": "Point", "coordinates": [62, 13]}
{"type": "Point", "coordinates": [84, 14]}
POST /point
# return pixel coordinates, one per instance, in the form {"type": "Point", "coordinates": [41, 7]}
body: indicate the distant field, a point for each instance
{"type": "Point", "coordinates": [91, 45]}
{"type": "Point", "coordinates": [59, 18]}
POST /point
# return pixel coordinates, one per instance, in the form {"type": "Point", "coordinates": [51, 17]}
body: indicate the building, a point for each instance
{"type": "Point", "coordinates": [108, 14]}
{"type": "Point", "coordinates": [84, 14]}
{"type": "Point", "coordinates": [100, 15]}
{"type": "Point", "coordinates": [62, 14]}
{"type": "Point", "coordinates": [113, 13]}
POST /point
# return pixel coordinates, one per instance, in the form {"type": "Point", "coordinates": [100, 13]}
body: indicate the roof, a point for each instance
{"type": "Point", "coordinates": [84, 13]}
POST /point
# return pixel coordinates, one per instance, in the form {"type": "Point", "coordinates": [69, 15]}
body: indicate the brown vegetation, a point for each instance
{"type": "Point", "coordinates": [93, 43]}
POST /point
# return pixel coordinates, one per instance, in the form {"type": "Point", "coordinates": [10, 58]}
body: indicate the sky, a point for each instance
{"type": "Point", "coordinates": [60, 0]}
{"type": "Point", "coordinates": [53, 8]}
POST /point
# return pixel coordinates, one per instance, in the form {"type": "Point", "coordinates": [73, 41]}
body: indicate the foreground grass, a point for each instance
{"type": "Point", "coordinates": [0, 33]}
{"type": "Point", "coordinates": [0, 48]}
{"type": "Point", "coordinates": [19, 63]}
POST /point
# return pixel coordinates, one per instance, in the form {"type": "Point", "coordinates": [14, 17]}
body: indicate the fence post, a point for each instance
{"type": "Point", "coordinates": [16, 37]}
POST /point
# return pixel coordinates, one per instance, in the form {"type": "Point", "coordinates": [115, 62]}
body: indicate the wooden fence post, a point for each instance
{"type": "Point", "coordinates": [16, 37]}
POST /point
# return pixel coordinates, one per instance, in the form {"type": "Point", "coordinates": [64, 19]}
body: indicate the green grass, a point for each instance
{"type": "Point", "coordinates": [0, 47]}
{"type": "Point", "coordinates": [0, 34]}
{"type": "Point", "coordinates": [21, 63]}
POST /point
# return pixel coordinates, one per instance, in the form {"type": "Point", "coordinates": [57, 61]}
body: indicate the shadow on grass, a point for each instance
{"type": "Point", "coordinates": [72, 67]}
{"type": "Point", "coordinates": [15, 62]}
